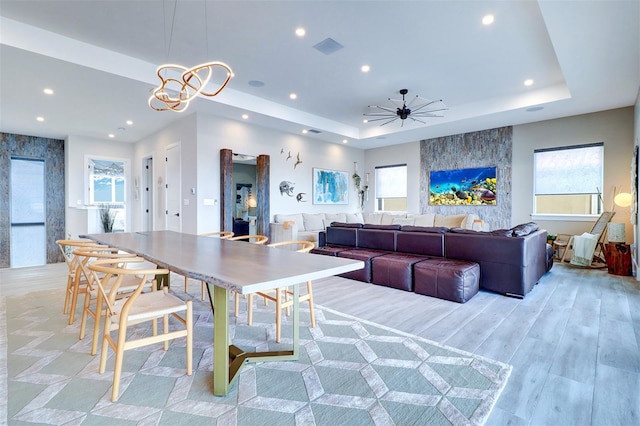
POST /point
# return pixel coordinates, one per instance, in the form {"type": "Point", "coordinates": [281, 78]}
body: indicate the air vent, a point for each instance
{"type": "Point", "coordinates": [315, 131]}
{"type": "Point", "coordinates": [328, 46]}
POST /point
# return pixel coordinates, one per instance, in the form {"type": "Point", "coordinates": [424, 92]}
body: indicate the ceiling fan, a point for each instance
{"type": "Point", "coordinates": [403, 110]}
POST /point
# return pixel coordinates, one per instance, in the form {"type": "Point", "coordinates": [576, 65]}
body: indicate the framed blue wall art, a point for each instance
{"type": "Point", "coordinates": [466, 187]}
{"type": "Point", "coordinates": [330, 187]}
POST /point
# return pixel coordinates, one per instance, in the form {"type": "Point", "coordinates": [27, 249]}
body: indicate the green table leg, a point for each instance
{"type": "Point", "coordinates": [228, 359]}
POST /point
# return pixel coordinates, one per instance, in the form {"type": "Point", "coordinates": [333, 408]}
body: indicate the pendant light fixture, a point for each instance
{"type": "Point", "coordinates": [179, 84]}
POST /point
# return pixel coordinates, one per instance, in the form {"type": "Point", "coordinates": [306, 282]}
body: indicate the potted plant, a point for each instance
{"type": "Point", "coordinates": [551, 238]}
{"type": "Point", "coordinates": [107, 218]}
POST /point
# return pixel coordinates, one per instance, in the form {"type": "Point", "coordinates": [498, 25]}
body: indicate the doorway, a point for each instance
{"type": "Point", "coordinates": [28, 233]}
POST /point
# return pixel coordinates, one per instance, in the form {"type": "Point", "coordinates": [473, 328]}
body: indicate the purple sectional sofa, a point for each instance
{"type": "Point", "coordinates": [448, 263]}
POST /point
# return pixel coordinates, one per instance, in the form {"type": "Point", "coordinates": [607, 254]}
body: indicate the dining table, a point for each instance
{"type": "Point", "coordinates": [231, 266]}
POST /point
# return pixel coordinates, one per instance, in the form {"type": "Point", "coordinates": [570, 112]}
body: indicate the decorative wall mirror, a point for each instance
{"type": "Point", "coordinates": [253, 202]}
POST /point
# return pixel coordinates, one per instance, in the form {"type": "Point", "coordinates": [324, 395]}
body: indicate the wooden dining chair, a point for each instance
{"type": "Point", "coordinates": [223, 235]}
{"type": "Point", "coordinates": [75, 283]}
{"type": "Point", "coordinates": [93, 305]}
{"type": "Point", "coordinates": [255, 238]}
{"type": "Point", "coordinates": [281, 295]}
{"type": "Point", "coordinates": [137, 308]}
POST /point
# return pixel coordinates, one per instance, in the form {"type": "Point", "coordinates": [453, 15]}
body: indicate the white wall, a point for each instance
{"type": "Point", "coordinates": [78, 218]}
{"type": "Point", "coordinates": [408, 154]}
{"type": "Point", "coordinates": [215, 133]}
{"type": "Point", "coordinates": [183, 132]}
{"type": "Point", "coordinates": [614, 128]}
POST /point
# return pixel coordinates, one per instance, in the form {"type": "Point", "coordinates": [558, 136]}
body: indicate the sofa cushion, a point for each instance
{"type": "Point", "coordinates": [372, 218]}
{"type": "Point", "coordinates": [450, 221]}
{"type": "Point", "coordinates": [387, 218]}
{"type": "Point", "coordinates": [428, 229]}
{"type": "Point", "coordinates": [524, 229]}
{"type": "Point", "coordinates": [424, 219]}
{"type": "Point", "coordinates": [313, 222]}
{"type": "Point", "coordinates": [329, 218]}
{"type": "Point", "coordinates": [297, 218]}
{"type": "Point", "coordinates": [354, 218]}
{"type": "Point", "coordinates": [403, 221]}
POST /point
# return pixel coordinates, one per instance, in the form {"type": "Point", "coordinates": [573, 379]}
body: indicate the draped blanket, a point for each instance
{"type": "Point", "coordinates": [583, 247]}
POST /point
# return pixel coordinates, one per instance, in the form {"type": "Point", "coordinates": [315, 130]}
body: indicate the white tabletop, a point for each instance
{"type": "Point", "coordinates": [235, 265]}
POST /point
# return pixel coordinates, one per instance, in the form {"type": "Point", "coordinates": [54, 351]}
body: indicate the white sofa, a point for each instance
{"type": "Point", "coordinates": [306, 226]}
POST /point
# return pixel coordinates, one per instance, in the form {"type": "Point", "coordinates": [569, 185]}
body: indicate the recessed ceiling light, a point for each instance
{"type": "Point", "coordinates": [300, 32]}
{"type": "Point", "coordinates": [129, 122]}
{"type": "Point", "coordinates": [39, 118]}
{"type": "Point", "coordinates": [305, 131]}
{"type": "Point", "coordinates": [488, 19]}
{"type": "Point", "coordinates": [365, 68]}
{"type": "Point", "coordinates": [528, 82]}
{"type": "Point", "coordinates": [111, 135]}
{"type": "Point", "coordinates": [293, 96]}
{"type": "Point", "coordinates": [345, 141]}
{"type": "Point", "coordinates": [245, 116]}
{"type": "Point", "coordinates": [48, 91]}
{"type": "Point", "coordinates": [365, 121]}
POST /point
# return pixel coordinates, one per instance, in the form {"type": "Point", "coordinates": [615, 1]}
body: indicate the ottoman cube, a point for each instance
{"type": "Point", "coordinates": [365, 255]}
{"type": "Point", "coordinates": [395, 270]}
{"type": "Point", "coordinates": [449, 279]}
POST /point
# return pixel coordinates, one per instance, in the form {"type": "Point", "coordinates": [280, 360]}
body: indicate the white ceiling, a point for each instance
{"type": "Point", "coordinates": [100, 58]}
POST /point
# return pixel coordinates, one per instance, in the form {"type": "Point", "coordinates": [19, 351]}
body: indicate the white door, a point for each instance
{"type": "Point", "coordinates": [173, 210]}
{"type": "Point", "coordinates": [146, 194]}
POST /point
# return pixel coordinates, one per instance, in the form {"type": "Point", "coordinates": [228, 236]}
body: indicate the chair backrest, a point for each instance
{"type": "Point", "coordinates": [110, 273]}
{"type": "Point", "coordinates": [257, 239]}
{"type": "Point", "coordinates": [67, 247]}
{"type": "Point", "coordinates": [302, 246]}
{"type": "Point", "coordinates": [84, 255]}
{"type": "Point", "coordinates": [221, 234]}
{"type": "Point", "coordinates": [600, 226]}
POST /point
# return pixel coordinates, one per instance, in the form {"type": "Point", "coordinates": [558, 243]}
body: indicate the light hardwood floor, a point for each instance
{"type": "Point", "coordinates": [573, 341]}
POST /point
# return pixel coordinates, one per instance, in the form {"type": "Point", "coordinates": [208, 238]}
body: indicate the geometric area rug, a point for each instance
{"type": "Point", "coordinates": [350, 372]}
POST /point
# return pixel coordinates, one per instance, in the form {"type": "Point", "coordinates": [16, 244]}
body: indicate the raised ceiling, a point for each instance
{"type": "Point", "coordinates": [100, 58]}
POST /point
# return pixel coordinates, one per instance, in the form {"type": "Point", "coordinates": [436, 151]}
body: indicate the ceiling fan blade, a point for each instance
{"type": "Point", "coordinates": [384, 117]}
{"type": "Point", "coordinates": [415, 119]}
{"type": "Point", "coordinates": [390, 121]}
{"type": "Point", "coordinates": [425, 105]}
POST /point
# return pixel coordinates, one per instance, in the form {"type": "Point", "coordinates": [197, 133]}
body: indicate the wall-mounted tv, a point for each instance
{"type": "Point", "coordinates": [466, 187]}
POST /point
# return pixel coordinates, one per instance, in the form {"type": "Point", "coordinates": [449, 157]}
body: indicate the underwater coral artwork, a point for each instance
{"type": "Point", "coordinates": [463, 187]}
{"type": "Point", "coordinates": [330, 187]}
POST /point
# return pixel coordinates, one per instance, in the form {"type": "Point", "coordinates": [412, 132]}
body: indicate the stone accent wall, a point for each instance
{"type": "Point", "coordinates": [486, 148]}
{"type": "Point", "coordinates": [52, 152]}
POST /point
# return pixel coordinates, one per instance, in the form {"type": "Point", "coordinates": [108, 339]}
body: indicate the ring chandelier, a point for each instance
{"type": "Point", "coordinates": [174, 94]}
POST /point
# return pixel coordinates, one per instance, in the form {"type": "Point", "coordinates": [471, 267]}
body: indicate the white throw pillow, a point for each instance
{"type": "Point", "coordinates": [354, 218]}
{"type": "Point", "coordinates": [297, 218]}
{"type": "Point", "coordinates": [313, 222]}
{"type": "Point", "coordinates": [449, 221]}
{"type": "Point", "coordinates": [424, 219]}
{"type": "Point", "coordinates": [337, 217]}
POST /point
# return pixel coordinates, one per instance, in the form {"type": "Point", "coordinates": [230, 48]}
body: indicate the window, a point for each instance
{"type": "Point", "coordinates": [568, 180]}
{"type": "Point", "coordinates": [106, 179]}
{"type": "Point", "coordinates": [391, 188]}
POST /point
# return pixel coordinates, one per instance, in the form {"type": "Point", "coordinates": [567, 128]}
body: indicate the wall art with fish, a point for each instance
{"type": "Point", "coordinates": [463, 187]}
